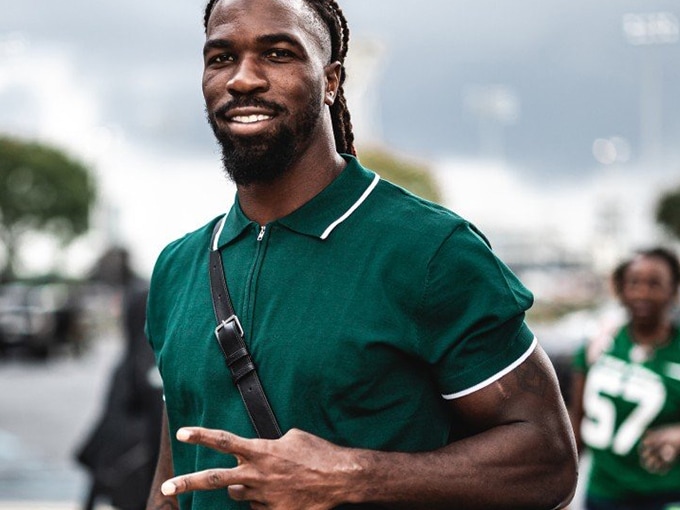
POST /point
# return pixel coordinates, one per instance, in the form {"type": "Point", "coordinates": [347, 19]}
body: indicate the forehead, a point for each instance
{"type": "Point", "coordinates": [263, 17]}
{"type": "Point", "coordinates": [645, 265]}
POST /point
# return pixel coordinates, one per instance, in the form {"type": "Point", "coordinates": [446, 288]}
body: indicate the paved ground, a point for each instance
{"type": "Point", "coordinates": [42, 505]}
{"type": "Point", "coordinates": [46, 409]}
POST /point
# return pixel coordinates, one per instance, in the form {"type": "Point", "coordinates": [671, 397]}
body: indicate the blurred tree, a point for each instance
{"type": "Point", "coordinates": [668, 211]}
{"type": "Point", "coordinates": [414, 176]}
{"type": "Point", "coordinates": [41, 189]}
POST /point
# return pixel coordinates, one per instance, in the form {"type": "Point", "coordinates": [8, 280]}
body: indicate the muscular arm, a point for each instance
{"type": "Point", "coordinates": [164, 470]}
{"type": "Point", "coordinates": [520, 454]}
{"type": "Point", "coordinates": [578, 383]}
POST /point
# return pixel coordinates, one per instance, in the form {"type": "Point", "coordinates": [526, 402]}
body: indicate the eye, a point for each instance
{"type": "Point", "coordinates": [631, 283]}
{"type": "Point", "coordinates": [221, 58]}
{"type": "Point", "coordinates": [655, 284]}
{"type": "Point", "coordinates": [279, 54]}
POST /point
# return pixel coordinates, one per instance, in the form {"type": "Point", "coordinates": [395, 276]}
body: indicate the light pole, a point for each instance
{"type": "Point", "coordinates": [494, 106]}
{"type": "Point", "coordinates": [645, 30]}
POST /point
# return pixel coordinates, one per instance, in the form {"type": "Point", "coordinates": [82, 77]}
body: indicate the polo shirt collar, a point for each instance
{"type": "Point", "coordinates": [323, 213]}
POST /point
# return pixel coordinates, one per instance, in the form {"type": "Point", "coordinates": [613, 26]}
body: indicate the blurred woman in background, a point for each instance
{"type": "Point", "coordinates": [626, 394]}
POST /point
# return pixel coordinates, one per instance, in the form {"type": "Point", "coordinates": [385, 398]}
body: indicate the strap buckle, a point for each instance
{"type": "Point", "coordinates": [229, 320]}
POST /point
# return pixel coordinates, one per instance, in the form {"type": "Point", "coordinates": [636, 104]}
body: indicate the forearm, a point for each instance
{"type": "Point", "coordinates": [164, 470]}
{"type": "Point", "coordinates": [521, 455]}
{"type": "Point", "coordinates": [481, 472]}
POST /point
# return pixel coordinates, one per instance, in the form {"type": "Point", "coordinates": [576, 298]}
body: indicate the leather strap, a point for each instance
{"type": "Point", "coordinates": [229, 334]}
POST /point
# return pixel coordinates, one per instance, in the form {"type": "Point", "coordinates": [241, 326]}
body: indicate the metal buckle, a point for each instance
{"type": "Point", "coordinates": [228, 321]}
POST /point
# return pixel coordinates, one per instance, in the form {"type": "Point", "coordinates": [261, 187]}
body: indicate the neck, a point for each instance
{"type": "Point", "coordinates": [309, 175]}
{"type": "Point", "coordinates": [652, 335]}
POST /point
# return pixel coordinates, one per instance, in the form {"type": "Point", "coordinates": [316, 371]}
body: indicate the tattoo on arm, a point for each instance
{"type": "Point", "coordinates": [531, 378]}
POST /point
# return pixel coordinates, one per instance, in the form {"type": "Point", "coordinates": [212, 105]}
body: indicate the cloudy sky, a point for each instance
{"type": "Point", "coordinates": [558, 91]}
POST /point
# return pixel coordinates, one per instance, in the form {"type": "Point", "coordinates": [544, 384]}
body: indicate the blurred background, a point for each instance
{"type": "Point", "coordinates": [553, 126]}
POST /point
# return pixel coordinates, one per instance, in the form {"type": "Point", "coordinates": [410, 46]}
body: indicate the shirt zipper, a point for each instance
{"type": "Point", "coordinates": [253, 277]}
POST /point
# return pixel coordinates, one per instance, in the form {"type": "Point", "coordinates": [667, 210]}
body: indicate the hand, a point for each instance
{"type": "Point", "coordinates": [659, 448]}
{"type": "Point", "coordinates": [296, 471]}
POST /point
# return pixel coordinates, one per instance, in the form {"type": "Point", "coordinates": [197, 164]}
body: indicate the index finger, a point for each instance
{"type": "Point", "coordinates": [219, 440]}
{"type": "Point", "coordinates": [210, 479]}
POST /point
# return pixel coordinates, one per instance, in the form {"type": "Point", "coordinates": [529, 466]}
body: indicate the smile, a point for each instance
{"type": "Point", "coordinates": [250, 119]}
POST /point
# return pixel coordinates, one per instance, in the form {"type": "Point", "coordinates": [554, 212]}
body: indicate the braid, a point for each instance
{"type": "Point", "coordinates": [206, 14]}
{"type": "Point", "coordinates": [331, 14]}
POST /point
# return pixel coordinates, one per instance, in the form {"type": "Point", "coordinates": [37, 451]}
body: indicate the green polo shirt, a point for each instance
{"type": "Point", "coordinates": [364, 310]}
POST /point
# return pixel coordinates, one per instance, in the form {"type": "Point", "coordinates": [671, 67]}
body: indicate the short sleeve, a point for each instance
{"type": "Point", "coordinates": [472, 327]}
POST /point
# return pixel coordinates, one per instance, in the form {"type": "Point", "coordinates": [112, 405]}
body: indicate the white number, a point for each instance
{"type": "Point", "coordinates": [632, 384]}
{"type": "Point", "coordinates": [599, 420]}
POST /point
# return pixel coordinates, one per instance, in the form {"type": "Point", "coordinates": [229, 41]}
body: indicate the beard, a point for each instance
{"type": "Point", "coordinates": [265, 157]}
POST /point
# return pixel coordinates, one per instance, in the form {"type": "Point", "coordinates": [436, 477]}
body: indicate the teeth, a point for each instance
{"type": "Point", "coordinates": [249, 119]}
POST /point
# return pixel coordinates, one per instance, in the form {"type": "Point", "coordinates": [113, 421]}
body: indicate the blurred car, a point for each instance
{"type": "Point", "coordinates": [35, 319]}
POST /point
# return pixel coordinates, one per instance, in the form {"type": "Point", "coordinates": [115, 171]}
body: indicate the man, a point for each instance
{"type": "Point", "coordinates": [380, 323]}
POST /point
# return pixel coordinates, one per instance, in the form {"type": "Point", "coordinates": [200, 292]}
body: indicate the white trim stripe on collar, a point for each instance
{"type": "Point", "coordinates": [216, 239]}
{"type": "Point", "coordinates": [494, 377]}
{"type": "Point", "coordinates": [349, 212]}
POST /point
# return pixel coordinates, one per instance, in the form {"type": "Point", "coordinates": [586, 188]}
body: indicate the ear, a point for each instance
{"type": "Point", "coordinates": [333, 72]}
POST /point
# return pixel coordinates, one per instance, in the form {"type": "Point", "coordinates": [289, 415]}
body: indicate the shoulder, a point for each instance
{"type": "Point", "coordinates": [186, 248]}
{"type": "Point", "coordinates": [459, 262]}
{"type": "Point", "coordinates": [408, 210]}
{"type": "Point", "coordinates": [610, 333]}
{"type": "Point", "coordinates": [429, 236]}
{"type": "Point", "coordinates": [180, 261]}
{"type": "Point", "coordinates": [388, 211]}
{"type": "Point", "coordinates": [416, 223]}
{"type": "Point", "coordinates": [176, 271]}
{"type": "Point", "coordinates": [448, 244]}
{"type": "Point", "coordinates": [675, 341]}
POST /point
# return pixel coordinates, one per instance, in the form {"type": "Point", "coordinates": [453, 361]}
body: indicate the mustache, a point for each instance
{"type": "Point", "coordinates": [242, 102]}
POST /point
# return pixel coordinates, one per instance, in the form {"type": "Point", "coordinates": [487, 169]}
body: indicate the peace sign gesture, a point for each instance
{"type": "Point", "coordinates": [299, 470]}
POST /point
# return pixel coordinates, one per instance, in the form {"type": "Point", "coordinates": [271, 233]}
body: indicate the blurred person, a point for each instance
{"type": "Point", "coordinates": [121, 451]}
{"type": "Point", "coordinates": [626, 389]}
{"type": "Point", "coordinates": [378, 321]}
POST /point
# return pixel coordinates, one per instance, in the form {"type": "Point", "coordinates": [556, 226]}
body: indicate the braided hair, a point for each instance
{"type": "Point", "coordinates": [331, 14]}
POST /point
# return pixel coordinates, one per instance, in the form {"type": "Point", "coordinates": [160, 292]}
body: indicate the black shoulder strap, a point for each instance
{"type": "Point", "coordinates": [229, 335]}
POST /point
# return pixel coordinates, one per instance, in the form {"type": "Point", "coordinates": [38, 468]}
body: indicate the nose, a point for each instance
{"type": "Point", "coordinates": [248, 78]}
{"type": "Point", "coordinates": [644, 291]}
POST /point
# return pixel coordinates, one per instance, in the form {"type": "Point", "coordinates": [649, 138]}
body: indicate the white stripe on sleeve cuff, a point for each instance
{"type": "Point", "coordinates": [494, 377]}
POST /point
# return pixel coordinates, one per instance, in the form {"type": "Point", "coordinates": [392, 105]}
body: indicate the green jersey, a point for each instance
{"type": "Point", "coordinates": [628, 391]}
